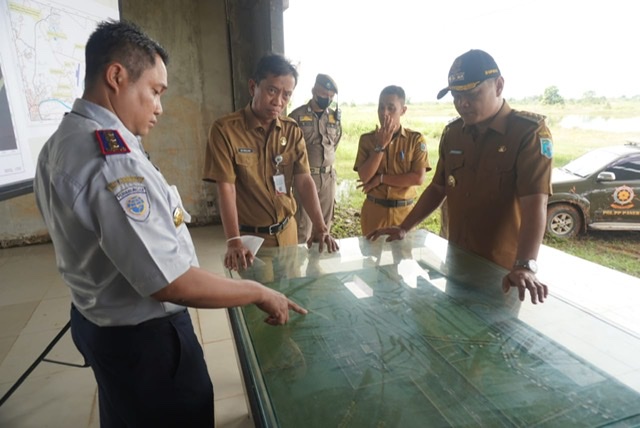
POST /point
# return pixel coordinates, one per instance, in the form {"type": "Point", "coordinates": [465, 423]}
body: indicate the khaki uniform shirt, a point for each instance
{"type": "Point", "coordinates": [242, 152]}
{"type": "Point", "coordinates": [321, 135]}
{"type": "Point", "coordinates": [484, 178]}
{"type": "Point", "coordinates": [407, 152]}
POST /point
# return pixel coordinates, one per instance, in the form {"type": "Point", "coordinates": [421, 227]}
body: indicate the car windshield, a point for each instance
{"type": "Point", "coordinates": [590, 162]}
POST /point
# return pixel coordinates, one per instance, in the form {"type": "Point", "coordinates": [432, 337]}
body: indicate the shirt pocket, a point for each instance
{"type": "Point", "coordinates": [247, 166]}
{"type": "Point", "coordinates": [332, 132]}
{"type": "Point", "coordinates": [453, 163]}
{"type": "Point", "coordinates": [286, 168]}
{"type": "Point", "coordinates": [500, 172]}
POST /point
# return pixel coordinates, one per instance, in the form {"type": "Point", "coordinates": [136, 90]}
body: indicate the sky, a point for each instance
{"type": "Point", "coordinates": [365, 45]}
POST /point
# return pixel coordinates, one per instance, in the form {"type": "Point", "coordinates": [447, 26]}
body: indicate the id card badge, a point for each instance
{"type": "Point", "coordinates": [279, 184]}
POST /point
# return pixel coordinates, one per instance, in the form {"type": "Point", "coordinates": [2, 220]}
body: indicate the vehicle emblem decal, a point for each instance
{"type": "Point", "coordinates": [623, 198]}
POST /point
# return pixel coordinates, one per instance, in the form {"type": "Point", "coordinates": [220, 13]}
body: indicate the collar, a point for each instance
{"type": "Point", "coordinates": [311, 110]}
{"type": "Point", "coordinates": [253, 123]}
{"type": "Point", "coordinates": [498, 123]}
{"type": "Point", "coordinates": [96, 112]}
{"type": "Point", "coordinates": [401, 132]}
{"type": "Point", "coordinates": [105, 118]}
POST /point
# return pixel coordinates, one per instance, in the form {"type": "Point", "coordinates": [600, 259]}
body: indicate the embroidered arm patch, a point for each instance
{"type": "Point", "coordinates": [546, 147]}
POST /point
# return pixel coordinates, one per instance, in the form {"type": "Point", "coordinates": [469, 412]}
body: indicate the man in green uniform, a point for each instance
{"type": "Point", "coordinates": [322, 131]}
{"type": "Point", "coordinates": [494, 169]}
{"type": "Point", "coordinates": [253, 156]}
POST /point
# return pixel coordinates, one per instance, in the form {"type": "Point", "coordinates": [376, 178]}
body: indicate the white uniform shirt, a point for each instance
{"type": "Point", "coordinates": [111, 220]}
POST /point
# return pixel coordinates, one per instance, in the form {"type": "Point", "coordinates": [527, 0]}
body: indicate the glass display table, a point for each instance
{"type": "Point", "coordinates": [418, 333]}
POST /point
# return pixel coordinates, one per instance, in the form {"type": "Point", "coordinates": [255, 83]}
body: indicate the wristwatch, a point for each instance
{"type": "Point", "coordinates": [378, 149]}
{"type": "Point", "coordinates": [527, 264]}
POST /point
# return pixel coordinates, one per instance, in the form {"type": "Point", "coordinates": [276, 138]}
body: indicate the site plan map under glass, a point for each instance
{"type": "Point", "coordinates": [416, 355]}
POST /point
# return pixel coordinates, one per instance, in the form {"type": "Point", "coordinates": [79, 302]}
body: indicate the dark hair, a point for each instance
{"type": "Point", "coordinates": [276, 65]}
{"type": "Point", "coordinates": [123, 42]}
{"type": "Point", "coordinates": [394, 90]}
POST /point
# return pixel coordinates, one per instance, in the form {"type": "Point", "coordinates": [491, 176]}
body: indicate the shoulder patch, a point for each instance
{"type": "Point", "coordinates": [546, 147]}
{"type": "Point", "coordinates": [455, 119]}
{"type": "Point", "coordinates": [111, 142]}
{"type": "Point", "coordinates": [532, 117]}
{"type": "Point", "coordinates": [132, 195]}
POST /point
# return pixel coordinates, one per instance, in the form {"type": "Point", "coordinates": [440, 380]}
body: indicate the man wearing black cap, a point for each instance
{"type": "Point", "coordinates": [494, 169]}
{"type": "Point", "coordinates": [322, 131]}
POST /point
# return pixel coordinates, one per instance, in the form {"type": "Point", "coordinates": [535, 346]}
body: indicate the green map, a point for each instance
{"type": "Point", "coordinates": [413, 355]}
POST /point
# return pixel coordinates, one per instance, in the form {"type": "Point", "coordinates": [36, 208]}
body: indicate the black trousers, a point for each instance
{"type": "Point", "coordinates": [149, 375]}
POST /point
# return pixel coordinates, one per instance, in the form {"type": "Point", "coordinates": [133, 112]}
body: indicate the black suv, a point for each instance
{"type": "Point", "coordinates": [600, 190]}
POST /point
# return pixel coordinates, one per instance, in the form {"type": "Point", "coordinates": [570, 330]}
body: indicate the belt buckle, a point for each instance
{"type": "Point", "coordinates": [272, 227]}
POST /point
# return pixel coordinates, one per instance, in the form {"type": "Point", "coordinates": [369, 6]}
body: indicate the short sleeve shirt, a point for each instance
{"type": "Point", "coordinates": [321, 134]}
{"type": "Point", "coordinates": [406, 153]}
{"type": "Point", "coordinates": [483, 179]}
{"type": "Point", "coordinates": [241, 152]}
{"type": "Point", "coordinates": [111, 220]}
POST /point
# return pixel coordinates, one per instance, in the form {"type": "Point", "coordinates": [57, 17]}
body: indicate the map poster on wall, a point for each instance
{"type": "Point", "coordinates": [41, 73]}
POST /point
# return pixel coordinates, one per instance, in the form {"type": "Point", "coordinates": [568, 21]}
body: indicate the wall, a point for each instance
{"type": "Point", "coordinates": [195, 35]}
{"type": "Point", "coordinates": [213, 46]}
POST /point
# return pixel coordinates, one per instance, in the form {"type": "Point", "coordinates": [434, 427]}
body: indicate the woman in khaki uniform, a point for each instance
{"type": "Point", "coordinates": [391, 162]}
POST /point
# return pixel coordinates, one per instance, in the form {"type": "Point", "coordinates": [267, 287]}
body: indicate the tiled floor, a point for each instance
{"type": "Point", "coordinates": [34, 306]}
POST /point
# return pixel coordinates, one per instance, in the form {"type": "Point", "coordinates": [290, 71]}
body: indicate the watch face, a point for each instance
{"type": "Point", "coordinates": [527, 264]}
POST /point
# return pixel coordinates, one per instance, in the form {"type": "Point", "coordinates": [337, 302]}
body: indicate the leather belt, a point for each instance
{"type": "Point", "coordinates": [271, 230]}
{"type": "Point", "coordinates": [320, 169]}
{"type": "Point", "coordinates": [391, 203]}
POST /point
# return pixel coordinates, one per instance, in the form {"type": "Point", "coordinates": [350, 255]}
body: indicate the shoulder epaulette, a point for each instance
{"type": "Point", "coordinates": [533, 117]}
{"type": "Point", "coordinates": [287, 119]}
{"type": "Point", "coordinates": [454, 120]}
{"type": "Point", "coordinates": [410, 131]}
{"type": "Point", "coordinates": [111, 142]}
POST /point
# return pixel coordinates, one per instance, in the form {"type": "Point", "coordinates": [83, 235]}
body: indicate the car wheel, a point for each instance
{"type": "Point", "coordinates": [563, 221]}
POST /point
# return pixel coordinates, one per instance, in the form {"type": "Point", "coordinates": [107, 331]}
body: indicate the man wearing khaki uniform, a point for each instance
{"type": "Point", "coordinates": [391, 162]}
{"type": "Point", "coordinates": [253, 156]}
{"type": "Point", "coordinates": [322, 131]}
{"type": "Point", "coordinates": [494, 170]}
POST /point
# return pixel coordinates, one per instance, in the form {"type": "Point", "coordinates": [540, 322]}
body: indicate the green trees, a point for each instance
{"type": "Point", "coordinates": [552, 96]}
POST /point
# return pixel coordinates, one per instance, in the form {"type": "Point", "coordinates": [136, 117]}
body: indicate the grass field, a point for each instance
{"type": "Point", "coordinates": [617, 250]}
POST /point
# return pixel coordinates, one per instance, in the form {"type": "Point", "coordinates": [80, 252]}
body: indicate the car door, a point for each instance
{"type": "Point", "coordinates": [618, 200]}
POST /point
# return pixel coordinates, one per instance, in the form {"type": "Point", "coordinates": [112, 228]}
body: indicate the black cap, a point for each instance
{"type": "Point", "coordinates": [326, 82]}
{"type": "Point", "coordinates": [469, 70]}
